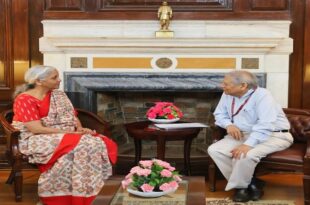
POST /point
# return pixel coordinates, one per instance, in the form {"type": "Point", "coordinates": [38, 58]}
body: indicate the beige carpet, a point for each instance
{"type": "Point", "coordinates": [227, 201]}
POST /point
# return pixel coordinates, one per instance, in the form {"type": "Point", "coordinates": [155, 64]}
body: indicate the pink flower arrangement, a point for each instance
{"type": "Point", "coordinates": [164, 110]}
{"type": "Point", "coordinates": [152, 175]}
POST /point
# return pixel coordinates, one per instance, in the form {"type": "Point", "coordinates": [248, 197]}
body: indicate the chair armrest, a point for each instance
{"type": "Point", "coordinates": [217, 133]}
{"type": "Point", "coordinates": [11, 135]}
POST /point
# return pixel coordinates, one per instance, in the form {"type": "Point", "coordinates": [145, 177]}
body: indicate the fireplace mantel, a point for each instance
{"type": "Point", "coordinates": [82, 87]}
{"type": "Point", "coordinates": [179, 45]}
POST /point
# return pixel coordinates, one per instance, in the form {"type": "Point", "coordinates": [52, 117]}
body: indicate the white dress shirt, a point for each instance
{"type": "Point", "coordinates": [260, 116]}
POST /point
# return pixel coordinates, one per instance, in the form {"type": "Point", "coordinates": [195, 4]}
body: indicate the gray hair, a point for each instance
{"type": "Point", "coordinates": [239, 77]}
{"type": "Point", "coordinates": [38, 72]}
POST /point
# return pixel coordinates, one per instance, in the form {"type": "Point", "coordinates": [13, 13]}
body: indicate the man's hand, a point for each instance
{"type": "Point", "coordinates": [234, 131]}
{"type": "Point", "coordinates": [240, 151]}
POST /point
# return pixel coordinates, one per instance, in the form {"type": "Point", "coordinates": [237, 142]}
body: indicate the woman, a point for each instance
{"type": "Point", "coordinates": [73, 160]}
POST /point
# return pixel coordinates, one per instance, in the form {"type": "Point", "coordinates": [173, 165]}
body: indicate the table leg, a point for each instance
{"type": "Point", "coordinates": [187, 152]}
{"type": "Point", "coordinates": [138, 148]}
{"type": "Point", "coordinates": [161, 147]}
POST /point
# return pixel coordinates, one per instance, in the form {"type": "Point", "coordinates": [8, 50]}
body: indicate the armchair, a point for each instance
{"type": "Point", "coordinates": [18, 161]}
{"type": "Point", "coordinates": [294, 159]}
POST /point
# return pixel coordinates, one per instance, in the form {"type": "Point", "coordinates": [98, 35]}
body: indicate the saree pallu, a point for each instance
{"type": "Point", "coordinates": [73, 167]}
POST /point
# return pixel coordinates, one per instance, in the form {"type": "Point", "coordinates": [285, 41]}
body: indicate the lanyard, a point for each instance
{"type": "Point", "coordinates": [240, 108]}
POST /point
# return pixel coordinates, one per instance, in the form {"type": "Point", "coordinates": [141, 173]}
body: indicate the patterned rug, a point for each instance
{"type": "Point", "coordinates": [228, 201]}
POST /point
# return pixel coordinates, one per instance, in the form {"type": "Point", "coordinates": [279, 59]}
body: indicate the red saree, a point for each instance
{"type": "Point", "coordinates": [73, 167]}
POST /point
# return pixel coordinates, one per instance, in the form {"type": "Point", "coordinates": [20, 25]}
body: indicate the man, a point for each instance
{"type": "Point", "coordinates": [256, 126]}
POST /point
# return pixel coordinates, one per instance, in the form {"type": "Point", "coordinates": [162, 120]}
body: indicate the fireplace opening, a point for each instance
{"type": "Point", "coordinates": [121, 98]}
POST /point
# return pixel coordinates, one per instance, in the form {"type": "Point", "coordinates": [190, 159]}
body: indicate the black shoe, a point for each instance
{"type": "Point", "coordinates": [241, 195]}
{"type": "Point", "coordinates": [256, 190]}
{"type": "Point", "coordinates": [258, 182]}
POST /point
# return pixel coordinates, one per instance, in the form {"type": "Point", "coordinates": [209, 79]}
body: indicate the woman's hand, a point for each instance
{"type": "Point", "coordinates": [84, 130]}
{"type": "Point", "coordinates": [36, 127]}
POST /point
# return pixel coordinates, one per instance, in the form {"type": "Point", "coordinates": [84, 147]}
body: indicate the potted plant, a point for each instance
{"type": "Point", "coordinates": [164, 112]}
{"type": "Point", "coordinates": [152, 178]}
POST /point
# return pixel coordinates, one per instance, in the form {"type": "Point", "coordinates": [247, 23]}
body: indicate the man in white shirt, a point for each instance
{"type": "Point", "coordinates": [256, 126]}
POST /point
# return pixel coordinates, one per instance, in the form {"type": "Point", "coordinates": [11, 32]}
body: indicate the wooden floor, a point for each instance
{"type": "Point", "coordinates": [279, 186]}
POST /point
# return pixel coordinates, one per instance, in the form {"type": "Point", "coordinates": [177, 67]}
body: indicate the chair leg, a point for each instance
{"type": "Point", "coordinates": [10, 179]}
{"type": "Point", "coordinates": [212, 175]}
{"type": "Point", "coordinates": [18, 179]}
{"type": "Point", "coordinates": [306, 183]}
{"type": "Point", "coordinates": [18, 186]}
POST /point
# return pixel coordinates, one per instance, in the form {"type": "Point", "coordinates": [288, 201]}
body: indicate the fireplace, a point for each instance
{"type": "Point", "coordinates": [124, 98]}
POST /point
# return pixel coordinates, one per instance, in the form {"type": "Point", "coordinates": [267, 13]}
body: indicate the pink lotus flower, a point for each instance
{"type": "Point", "coordinates": [147, 188]}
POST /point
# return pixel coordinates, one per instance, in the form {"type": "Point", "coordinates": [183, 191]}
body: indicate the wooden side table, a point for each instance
{"type": "Point", "coordinates": [141, 131]}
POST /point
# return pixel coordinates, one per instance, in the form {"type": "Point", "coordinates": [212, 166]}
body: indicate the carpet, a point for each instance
{"type": "Point", "coordinates": [228, 201]}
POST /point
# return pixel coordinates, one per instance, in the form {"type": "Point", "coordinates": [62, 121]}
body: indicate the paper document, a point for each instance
{"type": "Point", "coordinates": [180, 125]}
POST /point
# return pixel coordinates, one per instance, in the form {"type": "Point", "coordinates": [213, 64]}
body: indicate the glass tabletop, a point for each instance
{"type": "Point", "coordinates": [179, 197]}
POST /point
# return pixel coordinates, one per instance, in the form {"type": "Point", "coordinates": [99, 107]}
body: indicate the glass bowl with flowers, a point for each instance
{"type": "Point", "coordinates": [164, 112]}
{"type": "Point", "coordinates": [152, 178]}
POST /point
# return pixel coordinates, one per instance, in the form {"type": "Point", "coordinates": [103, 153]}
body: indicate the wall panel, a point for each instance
{"type": "Point", "coordinates": [35, 31]}
{"type": "Point", "coordinates": [6, 61]}
{"type": "Point", "coordinates": [269, 5]}
{"type": "Point", "coordinates": [64, 4]}
{"type": "Point", "coordinates": [20, 36]}
{"type": "Point", "coordinates": [297, 9]}
{"type": "Point", "coordinates": [2, 45]}
{"type": "Point", "coordinates": [306, 52]}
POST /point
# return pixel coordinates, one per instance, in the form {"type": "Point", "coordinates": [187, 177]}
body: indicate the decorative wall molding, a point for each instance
{"type": "Point", "coordinates": [65, 5]}
{"type": "Point", "coordinates": [152, 5]}
{"type": "Point", "coordinates": [269, 5]}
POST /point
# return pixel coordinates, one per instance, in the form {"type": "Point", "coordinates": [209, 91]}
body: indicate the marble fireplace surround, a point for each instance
{"type": "Point", "coordinates": [82, 87]}
{"type": "Point", "coordinates": [267, 42]}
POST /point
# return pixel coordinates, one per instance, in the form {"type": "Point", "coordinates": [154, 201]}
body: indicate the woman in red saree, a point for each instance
{"type": "Point", "coordinates": [73, 160]}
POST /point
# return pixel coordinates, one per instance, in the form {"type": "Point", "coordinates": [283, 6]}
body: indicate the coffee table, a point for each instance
{"type": "Point", "coordinates": [195, 191]}
{"type": "Point", "coordinates": [142, 131]}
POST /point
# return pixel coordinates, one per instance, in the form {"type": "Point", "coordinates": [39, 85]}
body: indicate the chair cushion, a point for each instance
{"type": "Point", "coordinates": [292, 155]}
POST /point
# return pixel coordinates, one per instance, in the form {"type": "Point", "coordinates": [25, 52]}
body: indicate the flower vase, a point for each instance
{"type": "Point", "coordinates": [151, 194]}
{"type": "Point", "coordinates": [164, 121]}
